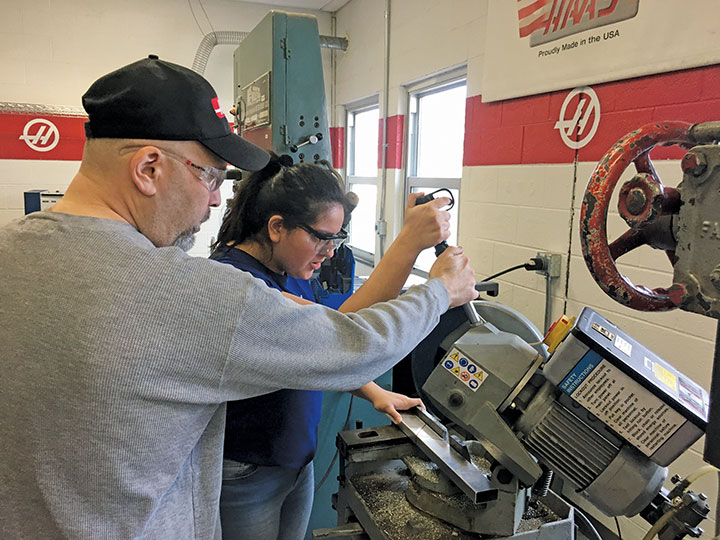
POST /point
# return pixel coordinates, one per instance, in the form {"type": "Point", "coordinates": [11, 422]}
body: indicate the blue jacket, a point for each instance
{"type": "Point", "coordinates": [279, 428]}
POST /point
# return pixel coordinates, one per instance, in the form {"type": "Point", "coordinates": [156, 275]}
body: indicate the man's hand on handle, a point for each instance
{"type": "Point", "coordinates": [453, 269]}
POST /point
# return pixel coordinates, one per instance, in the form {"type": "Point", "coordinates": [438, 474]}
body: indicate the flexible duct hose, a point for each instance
{"type": "Point", "coordinates": [222, 37]}
{"type": "Point", "coordinates": [230, 37]}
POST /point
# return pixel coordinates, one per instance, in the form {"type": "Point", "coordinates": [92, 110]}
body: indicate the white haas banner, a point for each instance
{"type": "Point", "coordinates": [536, 46]}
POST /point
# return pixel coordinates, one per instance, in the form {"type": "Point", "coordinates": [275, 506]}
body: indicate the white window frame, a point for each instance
{"type": "Point", "coordinates": [357, 107]}
{"type": "Point", "coordinates": [446, 80]}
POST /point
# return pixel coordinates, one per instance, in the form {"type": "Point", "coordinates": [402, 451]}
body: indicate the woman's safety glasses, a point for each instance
{"type": "Point", "coordinates": [325, 242]}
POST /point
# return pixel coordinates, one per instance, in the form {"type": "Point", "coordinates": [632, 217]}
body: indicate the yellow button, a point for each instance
{"type": "Point", "coordinates": [557, 332]}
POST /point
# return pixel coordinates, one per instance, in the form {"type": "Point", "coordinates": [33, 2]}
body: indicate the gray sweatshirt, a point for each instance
{"type": "Point", "coordinates": [117, 358]}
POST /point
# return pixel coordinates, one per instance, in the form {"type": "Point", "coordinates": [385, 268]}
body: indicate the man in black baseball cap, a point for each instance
{"type": "Point", "coordinates": [154, 99]}
{"type": "Point", "coordinates": [157, 150]}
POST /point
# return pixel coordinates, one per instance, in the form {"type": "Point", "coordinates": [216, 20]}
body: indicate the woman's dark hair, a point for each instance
{"type": "Point", "coordinates": [299, 193]}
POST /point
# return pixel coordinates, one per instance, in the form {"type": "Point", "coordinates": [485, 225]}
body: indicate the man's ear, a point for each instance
{"type": "Point", "coordinates": [145, 170]}
{"type": "Point", "coordinates": [275, 228]}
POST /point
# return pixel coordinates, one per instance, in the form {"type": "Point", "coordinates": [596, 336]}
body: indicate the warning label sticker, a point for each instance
{"type": "Point", "coordinates": [692, 395]}
{"type": "Point", "coordinates": [665, 377]}
{"type": "Point", "coordinates": [623, 345]}
{"type": "Point", "coordinates": [464, 369]}
{"type": "Point", "coordinates": [627, 407]}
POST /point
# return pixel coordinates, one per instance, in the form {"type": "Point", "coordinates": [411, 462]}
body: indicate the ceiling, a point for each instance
{"type": "Point", "coordinates": [318, 5]}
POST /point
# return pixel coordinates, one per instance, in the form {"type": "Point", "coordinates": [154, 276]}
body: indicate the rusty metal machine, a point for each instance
{"type": "Point", "coordinates": [591, 407]}
{"type": "Point", "coordinates": [685, 222]}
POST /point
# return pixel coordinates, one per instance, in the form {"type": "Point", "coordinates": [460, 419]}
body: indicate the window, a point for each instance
{"type": "Point", "coordinates": [362, 157]}
{"type": "Point", "coordinates": [436, 131]}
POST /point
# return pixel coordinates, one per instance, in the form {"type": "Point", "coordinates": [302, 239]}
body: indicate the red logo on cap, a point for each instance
{"type": "Point", "coordinates": [216, 106]}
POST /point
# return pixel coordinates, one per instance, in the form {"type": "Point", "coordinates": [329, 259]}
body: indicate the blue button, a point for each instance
{"type": "Point", "coordinates": [463, 362]}
{"type": "Point", "coordinates": [449, 364]}
{"type": "Point", "coordinates": [472, 368]}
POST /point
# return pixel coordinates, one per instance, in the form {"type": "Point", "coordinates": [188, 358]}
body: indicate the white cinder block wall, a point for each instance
{"type": "Point", "coordinates": [509, 212]}
{"type": "Point", "coordinates": [51, 51]}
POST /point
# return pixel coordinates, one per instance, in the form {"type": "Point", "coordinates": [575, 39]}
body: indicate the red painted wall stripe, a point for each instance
{"type": "Point", "coordinates": [68, 140]}
{"type": "Point", "coordinates": [522, 131]}
{"type": "Point", "coordinates": [337, 146]}
{"type": "Point", "coordinates": [395, 141]}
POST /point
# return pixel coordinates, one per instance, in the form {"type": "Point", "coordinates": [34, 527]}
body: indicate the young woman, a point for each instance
{"type": "Point", "coordinates": [281, 224]}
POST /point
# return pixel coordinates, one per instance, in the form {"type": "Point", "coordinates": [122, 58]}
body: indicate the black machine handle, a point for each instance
{"type": "Point", "coordinates": [469, 309]}
{"type": "Point", "coordinates": [442, 246]}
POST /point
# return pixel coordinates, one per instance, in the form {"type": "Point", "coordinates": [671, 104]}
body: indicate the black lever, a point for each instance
{"type": "Point", "coordinates": [489, 287]}
{"type": "Point", "coordinates": [442, 246]}
{"type": "Point", "coordinates": [469, 309]}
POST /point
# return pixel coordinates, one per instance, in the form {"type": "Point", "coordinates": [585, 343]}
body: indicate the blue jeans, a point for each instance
{"type": "Point", "coordinates": [265, 503]}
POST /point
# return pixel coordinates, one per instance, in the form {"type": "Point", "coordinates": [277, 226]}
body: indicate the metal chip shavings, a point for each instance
{"type": "Point", "coordinates": [423, 468]}
{"type": "Point", "coordinates": [481, 463]}
{"type": "Point", "coordinates": [384, 495]}
{"type": "Point", "coordinates": [536, 514]}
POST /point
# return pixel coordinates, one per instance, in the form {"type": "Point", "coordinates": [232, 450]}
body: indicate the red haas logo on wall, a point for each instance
{"type": "Point", "coordinates": [40, 132]}
{"type": "Point", "coordinates": [45, 136]}
{"type": "Point", "coordinates": [548, 20]}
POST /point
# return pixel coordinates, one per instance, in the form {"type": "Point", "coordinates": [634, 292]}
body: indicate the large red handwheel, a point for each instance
{"type": "Point", "coordinates": [632, 148]}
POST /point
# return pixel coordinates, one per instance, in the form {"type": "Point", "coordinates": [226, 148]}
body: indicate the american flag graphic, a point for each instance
{"type": "Point", "coordinates": [532, 15]}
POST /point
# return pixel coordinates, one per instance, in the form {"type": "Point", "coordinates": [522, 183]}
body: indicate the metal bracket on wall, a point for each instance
{"type": "Point", "coordinates": [381, 228]}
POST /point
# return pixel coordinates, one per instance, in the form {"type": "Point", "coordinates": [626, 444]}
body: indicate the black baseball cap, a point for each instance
{"type": "Point", "coordinates": [154, 99]}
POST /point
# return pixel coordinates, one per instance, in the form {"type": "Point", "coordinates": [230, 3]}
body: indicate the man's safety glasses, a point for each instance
{"type": "Point", "coordinates": [325, 242]}
{"type": "Point", "coordinates": [212, 177]}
